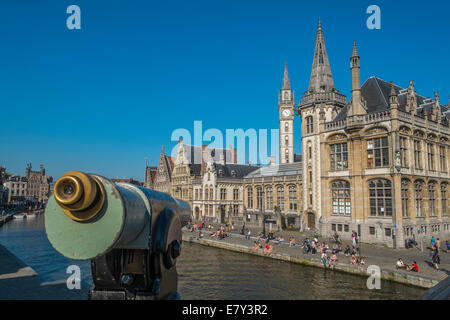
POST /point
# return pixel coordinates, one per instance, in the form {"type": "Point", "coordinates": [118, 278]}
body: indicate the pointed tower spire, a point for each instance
{"type": "Point", "coordinates": [321, 79]}
{"type": "Point", "coordinates": [393, 99]}
{"type": "Point", "coordinates": [286, 82]}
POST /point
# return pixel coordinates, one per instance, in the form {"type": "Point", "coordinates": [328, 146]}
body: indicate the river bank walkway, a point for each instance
{"type": "Point", "coordinates": [383, 257]}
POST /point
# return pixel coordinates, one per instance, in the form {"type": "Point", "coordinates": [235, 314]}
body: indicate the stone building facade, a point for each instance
{"type": "Point", "coordinates": [17, 189]}
{"type": "Point", "coordinates": [219, 192]}
{"type": "Point", "coordinates": [163, 176]}
{"type": "Point", "coordinates": [378, 163]}
{"type": "Point", "coordinates": [274, 192]}
{"type": "Point", "coordinates": [190, 164]}
{"type": "Point", "coordinates": [38, 184]}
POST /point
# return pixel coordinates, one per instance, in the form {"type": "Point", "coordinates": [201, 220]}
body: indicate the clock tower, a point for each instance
{"type": "Point", "coordinates": [286, 113]}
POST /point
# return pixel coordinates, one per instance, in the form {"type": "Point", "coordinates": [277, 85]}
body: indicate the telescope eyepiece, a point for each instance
{"type": "Point", "coordinates": [80, 196]}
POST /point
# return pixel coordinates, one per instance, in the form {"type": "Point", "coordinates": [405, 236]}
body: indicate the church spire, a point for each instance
{"type": "Point", "coordinates": [321, 79]}
{"type": "Point", "coordinates": [286, 82]}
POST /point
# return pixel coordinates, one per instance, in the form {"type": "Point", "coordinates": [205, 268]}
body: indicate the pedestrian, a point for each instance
{"type": "Point", "coordinates": [433, 248]}
{"type": "Point", "coordinates": [436, 260]}
{"type": "Point", "coordinates": [354, 238]}
{"type": "Point", "coordinates": [438, 245]}
{"type": "Point", "coordinates": [432, 241]}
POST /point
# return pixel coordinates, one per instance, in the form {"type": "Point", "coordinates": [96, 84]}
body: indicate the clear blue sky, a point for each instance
{"type": "Point", "coordinates": [103, 98]}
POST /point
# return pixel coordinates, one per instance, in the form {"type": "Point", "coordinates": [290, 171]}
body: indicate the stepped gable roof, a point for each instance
{"type": "Point", "coordinates": [284, 169]}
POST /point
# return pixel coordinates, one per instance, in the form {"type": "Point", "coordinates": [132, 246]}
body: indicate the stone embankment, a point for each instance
{"type": "Point", "coordinates": [385, 258]}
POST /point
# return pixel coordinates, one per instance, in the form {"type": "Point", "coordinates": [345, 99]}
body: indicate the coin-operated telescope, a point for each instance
{"type": "Point", "coordinates": [132, 235]}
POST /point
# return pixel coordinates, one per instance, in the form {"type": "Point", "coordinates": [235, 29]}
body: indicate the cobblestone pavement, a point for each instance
{"type": "Point", "coordinates": [384, 257]}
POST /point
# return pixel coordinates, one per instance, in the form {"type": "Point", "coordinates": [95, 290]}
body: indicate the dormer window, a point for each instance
{"type": "Point", "coordinates": [233, 173]}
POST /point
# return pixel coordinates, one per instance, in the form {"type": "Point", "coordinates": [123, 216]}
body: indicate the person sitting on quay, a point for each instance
{"type": "Point", "coordinates": [413, 267]}
{"type": "Point", "coordinates": [353, 260]}
{"type": "Point", "coordinates": [324, 259]}
{"type": "Point", "coordinates": [447, 245]}
{"type": "Point", "coordinates": [347, 251]}
{"type": "Point", "coordinates": [324, 247]}
{"type": "Point", "coordinates": [333, 260]}
{"type": "Point", "coordinates": [291, 241]}
{"type": "Point", "coordinates": [256, 245]}
{"type": "Point", "coordinates": [247, 236]}
{"type": "Point", "coordinates": [360, 261]}
{"type": "Point", "coordinates": [313, 249]}
{"type": "Point", "coordinates": [305, 246]}
{"type": "Point", "coordinates": [280, 239]}
{"type": "Point", "coordinates": [336, 249]}
{"type": "Point", "coordinates": [400, 264]}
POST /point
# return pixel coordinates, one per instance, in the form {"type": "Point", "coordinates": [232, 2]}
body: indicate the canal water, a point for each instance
{"type": "Point", "coordinates": [210, 273]}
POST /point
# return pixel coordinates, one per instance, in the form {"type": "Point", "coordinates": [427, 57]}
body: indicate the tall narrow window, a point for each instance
{"type": "Point", "coordinates": [405, 197]}
{"type": "Point", "coordinates": [309, 124]}
{"type": "Point", "coordinates": [378, 152]}
{"type": "Point", "coordinates": [430, 151]}
{"type": "Point", "coordinates": [259, 198]}
{"type": "Point", "coordinates": [206, 193]}
{"type": "Point", "coordinates": [223, 194]}
{"type": "Point", "coordinates": [250, 197]}
{"type": "Point", "coordinates": [444, 199]}
{"type": "Point", "coordinates": [280, 197]}
{"type": "Point", "coordinates": [443, 158]}
{"type": "Point", "coordinates": [403, 152]}
{"type": "Point", "coordinates": [269, 198]}
{"type": "Point", "coordinates": [417, 154]}
{"type": "Point", "coordinates": [339, 156]}
{"type": "Point", "coordinates": [292, 198]}
{"type": "Point", "coordinates": [211, 193]}
{"type": "Point", "coordinates": [286, 127]}
{"type": "Point", "coordinates": [380, 197]}
{"type": "Point", "coordinates": [431, 198]}
{"type": "Point", "coordinates": [418, 197]}
{"type": "Point", "coordinates": [340, 193]}
{"type": "Point", "coordinates": [236, 194]}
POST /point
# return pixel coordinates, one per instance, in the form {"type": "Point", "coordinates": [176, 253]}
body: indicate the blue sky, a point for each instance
{"type": "Point", "coordinates": [103, 98]}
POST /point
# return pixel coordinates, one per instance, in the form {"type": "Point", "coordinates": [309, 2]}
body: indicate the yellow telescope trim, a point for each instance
{"type": "Point", "coordinates": [80, 196]}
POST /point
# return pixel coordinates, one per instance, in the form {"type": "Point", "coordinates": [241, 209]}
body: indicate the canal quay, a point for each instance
{"type": "Point", "coordinates": [381, 256]}
{"type": "Point", "coordinates": [32, 269]}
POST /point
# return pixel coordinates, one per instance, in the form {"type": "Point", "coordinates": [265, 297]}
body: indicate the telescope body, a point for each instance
{"type": "Point", "coordinates": [127, 231]}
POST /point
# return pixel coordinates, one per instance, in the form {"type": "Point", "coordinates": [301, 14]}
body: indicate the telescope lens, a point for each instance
{"type": "Point", "coordinates": [68, 189]}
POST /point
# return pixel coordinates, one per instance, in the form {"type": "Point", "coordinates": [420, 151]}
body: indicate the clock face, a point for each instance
{"type": "Point", "coordinates": [286, 112]}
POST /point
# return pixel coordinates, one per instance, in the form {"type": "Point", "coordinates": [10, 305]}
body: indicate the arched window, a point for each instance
{"type": "Point", "coordinates": [340, 192]}
{"type": "Point", "coordinates": [280, 197]}
{"type": "Point", "coordinates": [286, 127]}
{"type": "Point", "coordinates": [380, 195]}
{"type": "Point", "coordinates": [405, 197]}
{"type": "Point", "coordinates": [250, 197]}
{"type": "Point", "coordinates": [292, 197]}
{"type": "Point", "coordinates": [206, 193]}
{"type": "Point", "coordinates": [259, 198]}
{"type": "Point", "coordinates": [211, 193]}
{"type": "Point", "coordinates": [418, 197]}
{"type": "Point", "coordinates": [269, 192]}
{"type": "Point", "coordinates": [431, 198]}
{"type": "Point", "coordinates": [286, 140]}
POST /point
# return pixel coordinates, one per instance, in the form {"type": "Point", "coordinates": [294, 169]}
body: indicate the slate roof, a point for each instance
{"type": "Point", "coordinates": [232, 170]}
{"type": "Point", "coordinates": [284, 169]}
{"type": "Point", "coordinates": [376, 94]}
{"type": "Point", "coordinates": [194, 153]}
